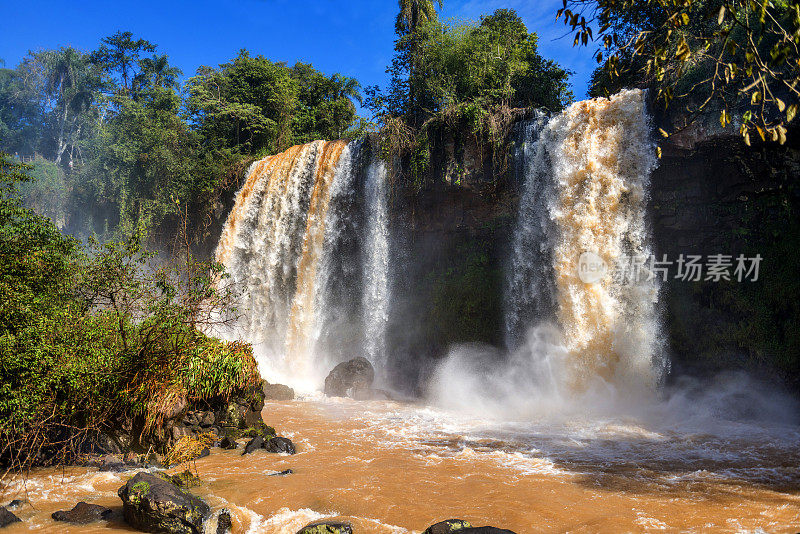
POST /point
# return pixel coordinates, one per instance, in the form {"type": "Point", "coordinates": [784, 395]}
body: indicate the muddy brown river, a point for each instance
{"type": "Point", "coordinates": [394, 468]}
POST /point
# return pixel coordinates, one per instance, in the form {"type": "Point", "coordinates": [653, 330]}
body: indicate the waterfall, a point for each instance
{"type": "Point", "coordinates": [271, 247]}
{"type": "Point", "coordinates": [529, 294]}
{"type": "Point", "coordinates": [376, 267]}
{"type": "Point", "coordinates": [587, 176]}
{"type": "Point", "coordinates": [572, 343]}
{"type": "Point", "coordinates": [306, 252]}
{"type": "Point", "coordinates": [303, 330]}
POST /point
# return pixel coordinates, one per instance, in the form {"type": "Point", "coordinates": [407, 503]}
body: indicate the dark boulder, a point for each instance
{"type": "Point", "coordinates": [16, 503]}
{"type": "Point", "coordinates": [350, 378]}
{"type": "Point", "coordinates": [462, 527]}
{"type": "Point", "coordinates": [280, 444]}
{"type": "Point", "coordinates": [82, 514]}
{"type": "Point", "coordinates": [152, 504]}
{"type": "Point", "coordinates": [326, 527]}
{"type": "Point", "coordinates": [277, 392]}
{"type": "Point", "coordinates": [485, 530]}
{"type": "Point", "coordinates": [228, 443]}
{"type": "Point", "coordinates": [282, 473]}
{"type": "Point", "coordinates": [224, 523]}
{"type": "Point", "coordinates": [7, 518]}
{"type": "Point", "coordinates": [275, 444]}
{"type": "Point", "coordinates": [253, 445]}
{"type": "Point", "coordinates": [447, 526]}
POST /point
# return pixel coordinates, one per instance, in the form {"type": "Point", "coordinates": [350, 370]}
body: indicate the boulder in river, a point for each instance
{"type": "Point", "coordinates": [462, 527]}
{"type": "Point", "coordinates": [7, 518]}
{"type": "Point", "coordinates": [326, 527]}
{"type": "Point", "coordinates": [16, 503]}
{"type": "Point", "coordinates": [224, 523]}
{"type": "Point", "coordinates": [82, 514]}
{"type": "Point", "coordinates": [277, 392]}
{"type": "Point", "coordinates": [253, 445]}
{"type": "Point", "coordinates": [275, 444]}
{"type": "Point", "coordinates": [280, 444]}
{"type": "Point", "coordinates": [152, 504]}
{"type": "Point", "coordinates": [350, 378]}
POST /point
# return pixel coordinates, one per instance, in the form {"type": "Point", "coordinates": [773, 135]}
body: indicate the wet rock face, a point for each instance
{"type": "Point", "coordinates": [253, 445]}
{"type": "Point", "coordinates": [275, 444]}
{"type": "Point", "coordinates": [82, 514]}
{"type": "Point", "coordinates": [277, 392]}
{"type": "Point", "coordinates": [7, 518]}
{"type": "Point", "coordinates": [279, 444]}
{"type": "Point", "coordinates": [350, 378]}
{"type": "Point", "coordinates": [326, 527]}
{"type": "Point", "coordinates": [152, 504]}
{"type": "Point", "coordinates": [445, 527]}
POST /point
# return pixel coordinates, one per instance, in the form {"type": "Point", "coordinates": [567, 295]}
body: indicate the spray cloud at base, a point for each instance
{"type": "Point", "coordinates": [578, 348]}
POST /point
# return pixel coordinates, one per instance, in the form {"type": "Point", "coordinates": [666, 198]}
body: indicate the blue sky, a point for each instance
{"type": "Point", "coordinates": [354, 37]}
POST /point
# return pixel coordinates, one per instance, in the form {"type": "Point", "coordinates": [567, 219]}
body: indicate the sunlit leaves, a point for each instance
{"type": "Point", "coordinates": [730, 55]}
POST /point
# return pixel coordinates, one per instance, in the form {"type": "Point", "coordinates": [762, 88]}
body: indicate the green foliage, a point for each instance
{"type": "Point", "coordinates": [465, 297]}
{"type": "Point", "coordinates": [120, 147]}
{"type": "Point", "coordinates": [737, 58]}
{"type": "Point", "coordinates": [47, 193]}
{"type": "Point", "coordinates": [493, 63]}
{"type": "Point", "coordinates": [91, 335]}
{"type": "Point", "coordinates": [260, 107]}
{"type": "Point", "coordinates": [461, 77]}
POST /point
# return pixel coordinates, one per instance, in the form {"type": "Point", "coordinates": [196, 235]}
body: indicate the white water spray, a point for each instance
{"type": "Point", "coordinates": [376, 267]}
{"type": "Point", "coordinates": [587, 178]}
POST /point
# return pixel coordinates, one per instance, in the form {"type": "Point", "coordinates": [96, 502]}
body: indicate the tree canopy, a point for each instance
{"type": "Point", "coordinates": [133, 148]}
{"type": "Point", "coordinates": [737, 58]}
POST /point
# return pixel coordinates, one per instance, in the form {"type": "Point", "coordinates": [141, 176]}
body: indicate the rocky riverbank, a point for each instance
{"type": "Point", "coordinates": [156, 498]}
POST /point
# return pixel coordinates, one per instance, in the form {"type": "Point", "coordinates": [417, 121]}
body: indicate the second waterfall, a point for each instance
{"type": "Point", "coordinates": [303, 223]}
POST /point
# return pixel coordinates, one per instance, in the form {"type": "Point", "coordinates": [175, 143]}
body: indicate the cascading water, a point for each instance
{"type": "Point", "coordinates": [289, 246]}
{"type": "Point", "coordinates": [602, 157]}
{"type": "Point", "coordinates": [586, 177]}
{"type": "Point", "coordinates": [303, 330]}
{"type": "Point", "coordinates": [376, 267]}
{"type": "Point", "coordinates": [271, 247]}
{"type": "Point", "coordinates": [530, 295]}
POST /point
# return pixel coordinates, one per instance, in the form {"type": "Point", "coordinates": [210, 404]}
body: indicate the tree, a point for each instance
{"type": "Point", "coordinates": [255, 105]}
{"type": "Point", "coordinates": [119, 53]}
{"type": "Point", "coordinates": [67, 85]}
{"type": "Point", "coordinates": [325, 108]}
{"type": "Point", "coordinates": [156, 72]}
{"type": "Point", "coordinates": [20, 115]}
{"type": "Point", "coordinates": [413, 13]}
{"type": "Point", "coordinates": [413, 17]}
{"type": "Point", "coordinates": [739, 58]}
{"type": "Point", "coordinates": [490, 64]}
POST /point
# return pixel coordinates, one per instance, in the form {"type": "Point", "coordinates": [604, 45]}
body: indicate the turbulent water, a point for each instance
{"type": "Point", "coordinates": [391, 468]}
{"type": "Point", "coordinates": [565, 429]}
{"type": "Point", "coordinates": [574, 344]}
{"type": "Point", "coordinates": [281, 247]}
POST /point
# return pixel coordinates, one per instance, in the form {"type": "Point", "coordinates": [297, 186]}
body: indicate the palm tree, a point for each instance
{"type": "Point", "coordinates": [413, 13]}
